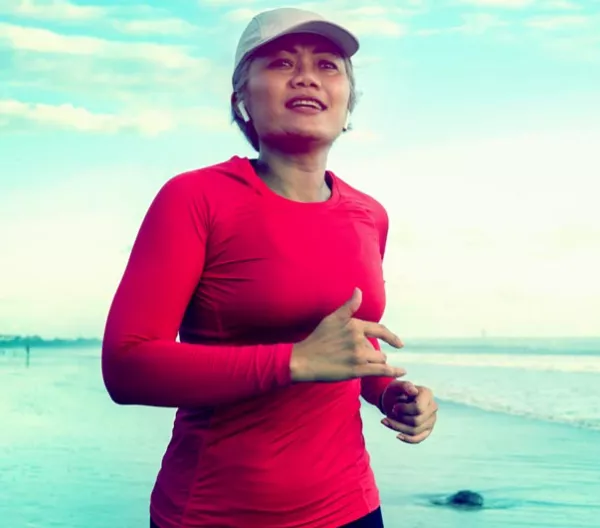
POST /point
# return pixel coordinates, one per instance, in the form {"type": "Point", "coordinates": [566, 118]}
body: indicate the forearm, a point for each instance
{"type": "Point", "coordinates": [171, 374]}
{"type": "Point", "coordinates": [372, 387]}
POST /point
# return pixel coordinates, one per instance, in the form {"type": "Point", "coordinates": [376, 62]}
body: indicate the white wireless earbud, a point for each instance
{"type": "Point", "coordinates": [347, 123]}
{"type": "Point", "coordinates": [243, 112]}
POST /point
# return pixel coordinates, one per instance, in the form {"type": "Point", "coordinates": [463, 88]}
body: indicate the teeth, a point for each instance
{"type": "Point", "coordinates": [306, 102]}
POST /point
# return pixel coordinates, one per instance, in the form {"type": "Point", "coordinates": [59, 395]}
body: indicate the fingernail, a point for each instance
{"type": "Point", "coordinates": [386, 422]}
{"type": "Point", "coordinates": [401, 437]}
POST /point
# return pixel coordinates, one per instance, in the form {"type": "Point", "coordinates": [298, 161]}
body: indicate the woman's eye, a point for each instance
{"type": "Point", "coordinates": [328, 65]}
{"type": "Point", "coordinates": [281, 63]}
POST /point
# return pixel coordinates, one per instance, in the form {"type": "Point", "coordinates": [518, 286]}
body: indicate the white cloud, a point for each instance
{"type": "Point", "coordinates": [583, 47]}
{"type": "Point", "coordinates": [386, 10]}
{"type": "Point", "coordinates": [479, 23]}
{"type": "Point", "coordinates": [502, 4]}
{"type": "Point", "coordinates": [325, 9]}
{"type": "Point", "coordinates": [473, 24]}
{"type": "Point", "coordinates": [45, 41]}
{"type": "Point", "coordinates": [146, 122]}
{"type": "Point", "coordinates": [372, 10]}
{"type": "Point", "coordinates": [136, 19]}
{"type": "Point", "coordinates": [65, 11]}
{"type": "Point", "coordinates": [562, 5]}
{"type": "Point", "coordinates": [374, 26]}
{"type": "Point", "coordinates": [163, 26]}
{"type": "Point", "coordinates": [83, 120]}
{"type": "Point", "coordinates": [75, 76]}
{"type": "Point", "coordinates": [242, 14]}
{"type": "Point", "coordinates": [568, 36]}
{"type": "Point", "coordinates": [429, 32]}
{"type": "Point", "coordinates": [204, 3]}
{"type": "Point", "coordinates": [574, 37]}
{"type": "Point", "coordinates": [558, 22]}
{"type": "Point", "coordinates": [368, 20]}
{"type": "Point", "coordinates": [52, 10]}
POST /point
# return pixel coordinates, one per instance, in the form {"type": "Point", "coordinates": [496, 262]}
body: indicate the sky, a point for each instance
{"type": "Point", "coordinates": [477, 127]}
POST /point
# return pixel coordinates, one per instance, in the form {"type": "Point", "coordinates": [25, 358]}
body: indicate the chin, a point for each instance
{"type": "Point", "coordinates": [302, 137]}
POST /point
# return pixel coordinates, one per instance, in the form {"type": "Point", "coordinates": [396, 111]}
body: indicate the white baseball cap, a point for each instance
{"type": "Point", "coordinates": [270, 25]}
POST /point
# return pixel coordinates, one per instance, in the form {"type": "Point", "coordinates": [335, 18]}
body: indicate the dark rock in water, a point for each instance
{"type": "Point", "coordinates": [466, 498]}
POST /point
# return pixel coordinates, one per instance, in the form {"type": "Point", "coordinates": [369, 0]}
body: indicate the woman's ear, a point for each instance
{"type": "Point", "coordinates": [241, 107]}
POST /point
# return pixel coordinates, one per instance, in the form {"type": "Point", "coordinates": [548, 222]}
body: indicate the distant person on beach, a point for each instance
{"type": "Point", "coordinates": [270, 271]}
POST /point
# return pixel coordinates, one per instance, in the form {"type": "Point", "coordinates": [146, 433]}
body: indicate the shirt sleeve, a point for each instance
{"type": "Point", "coordinates": [372, 387]}
{"type": "Point", "coordinates": [142, 362]}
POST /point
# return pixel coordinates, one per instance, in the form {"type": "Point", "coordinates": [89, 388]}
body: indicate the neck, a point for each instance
{"type": "Point", "coordinates": [299, 177]}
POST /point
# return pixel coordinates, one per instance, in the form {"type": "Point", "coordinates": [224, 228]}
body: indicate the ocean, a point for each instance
{"type": "Point", "coordinates": [519, 423]}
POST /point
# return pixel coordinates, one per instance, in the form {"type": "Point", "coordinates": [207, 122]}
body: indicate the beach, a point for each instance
{"type": "Point", "coordinates": [518, 423]}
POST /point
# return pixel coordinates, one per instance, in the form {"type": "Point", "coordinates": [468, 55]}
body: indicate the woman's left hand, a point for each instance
{"type": "Point", "coordinates": [410, 410]}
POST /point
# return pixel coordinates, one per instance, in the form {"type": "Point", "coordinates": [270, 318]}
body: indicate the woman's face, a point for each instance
{"type": "Point", "coordinates": [298, 90]}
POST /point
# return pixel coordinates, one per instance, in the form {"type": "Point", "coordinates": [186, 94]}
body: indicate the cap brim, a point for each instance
{"type": "Point", "coordinates": [340, 37]}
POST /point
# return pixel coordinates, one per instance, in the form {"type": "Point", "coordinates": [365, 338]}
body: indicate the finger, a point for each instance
{"type": "Point", "coordinates": [415, 408]}
{"type": "Point", "coordinates": [372, 355]}
{"type": "Point", "coordinates": [407, 439]}
{"type": "Point", "coordinates": [410, 403]}
{"type": "Point", "coordinates": [378, 369]}
{"type": "Point", "coordinates": [412, 420]}
{"type": "Point", "coordinates": [417, 424]}
{"type": "Point", "coordinates": [406, 391]}
{"type": "Point", "coordinates": [408, 409]}
{"type": "Point", "coordinates": [350, 307]}
{"type": "Point", "coordinates": [380, 331]}
{"type": "Point", "coordinates": [407, 429]}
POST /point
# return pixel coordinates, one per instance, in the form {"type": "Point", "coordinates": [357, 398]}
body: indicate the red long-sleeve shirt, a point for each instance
{"type": "Point", "coordinates": [241, 274]}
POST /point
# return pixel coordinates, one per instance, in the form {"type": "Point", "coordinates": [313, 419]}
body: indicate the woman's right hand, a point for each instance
{"type": "Point", "coordinates": [338, 349]}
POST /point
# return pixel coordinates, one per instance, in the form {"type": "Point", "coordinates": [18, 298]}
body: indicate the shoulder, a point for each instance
{"type": "Point", "coordinates": [209, 179]}
{"type": "Point", "coordinates": [199, 193]}
{"type": "Point", "coordinates": [371, 204]}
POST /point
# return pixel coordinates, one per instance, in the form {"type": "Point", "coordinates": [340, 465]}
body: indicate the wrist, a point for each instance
{"type": "Point", "coordinates": [297, 364]}
{"type": "Point", "coordinates": [382, 401]}
{"type": "Point", "coordinates": [380, 405]}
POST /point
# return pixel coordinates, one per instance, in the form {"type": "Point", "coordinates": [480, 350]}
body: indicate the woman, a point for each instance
{"type": "Point", "coordinates": [270, 270]}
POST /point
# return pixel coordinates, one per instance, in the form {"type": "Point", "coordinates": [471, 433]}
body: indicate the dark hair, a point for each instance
{"type": "Point", "coordinates": [240, 83]}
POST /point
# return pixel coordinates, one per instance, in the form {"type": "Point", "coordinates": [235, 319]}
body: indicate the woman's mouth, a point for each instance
{"type": "Point", "coordinates": [306, 105]}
